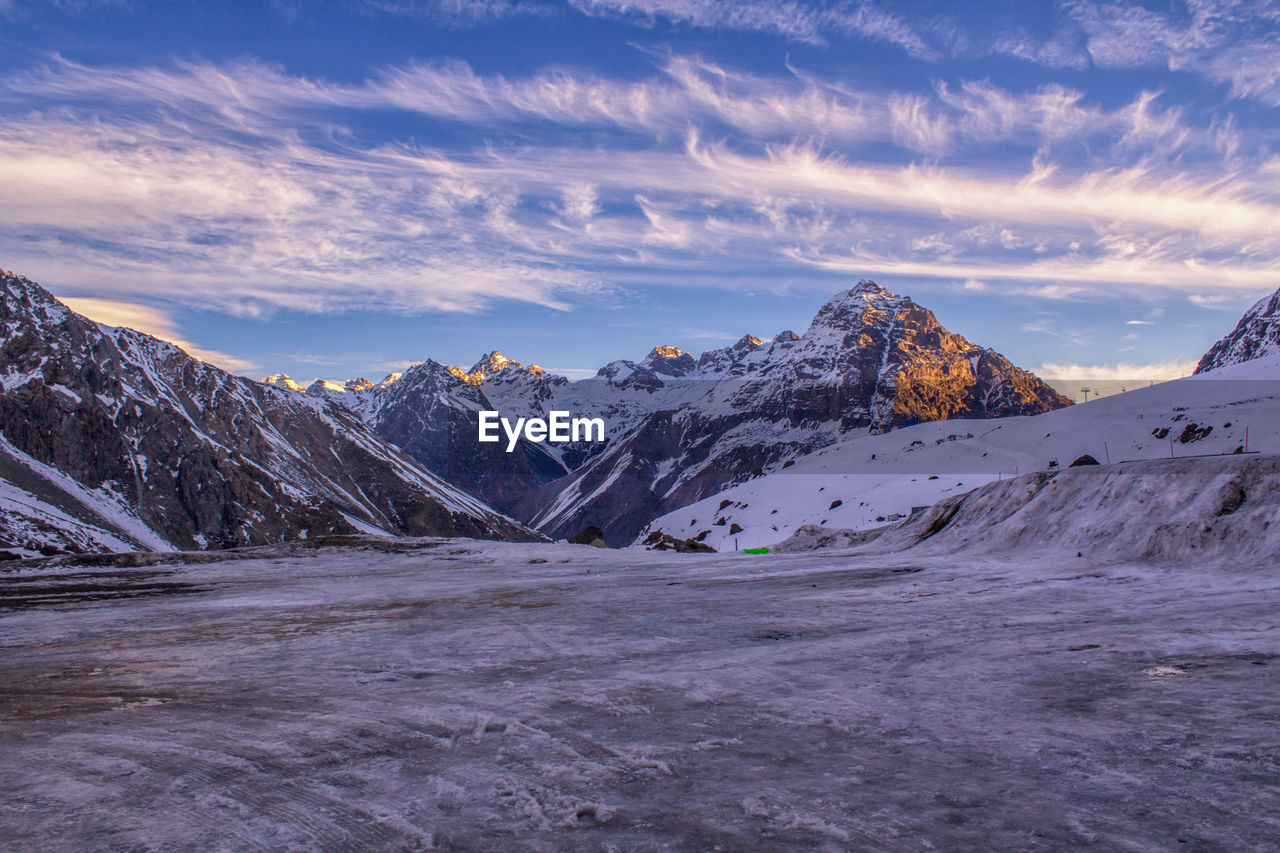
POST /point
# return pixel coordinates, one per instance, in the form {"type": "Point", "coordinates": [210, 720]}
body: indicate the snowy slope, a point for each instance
{"type": "Point", "coordinates": [880, 478]}
{"type": "Point", "coordinates": [43, 512]}
{"type": "Point", "coordinates": [1189, 512]}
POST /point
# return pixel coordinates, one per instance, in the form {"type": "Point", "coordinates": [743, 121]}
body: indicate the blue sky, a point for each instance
{"type": "Point", "coordinates": [333, 189]}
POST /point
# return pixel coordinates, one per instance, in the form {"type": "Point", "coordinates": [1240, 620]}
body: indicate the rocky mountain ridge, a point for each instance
{"type": "Point", "coordinates": [680, 427]}
{"type": "Point", "coordinates": [870, 361]}
{"type": "Point", "coordinates": [145, 447]}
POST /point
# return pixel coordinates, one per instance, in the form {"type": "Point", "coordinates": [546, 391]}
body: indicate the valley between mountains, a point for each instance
{"type": "Point", "coordinates": [680, 428]}
{"type": "Point", "coordinates": [113, 440]}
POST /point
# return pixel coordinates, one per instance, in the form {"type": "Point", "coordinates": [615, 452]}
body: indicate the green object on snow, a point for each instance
{"type": "Point", "coordinates": [755, 550]}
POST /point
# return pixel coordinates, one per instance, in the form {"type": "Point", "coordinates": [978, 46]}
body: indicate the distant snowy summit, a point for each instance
{"type": "Point", "coordinates": [1257, 335]}
{"type": "Point", "coordinates": [491, 364]}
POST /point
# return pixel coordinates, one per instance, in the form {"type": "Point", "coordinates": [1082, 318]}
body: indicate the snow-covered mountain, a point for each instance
{"type": "Point", "coordinates": [430, 412]}
{"type": "Point", "coordinates": [869, 362]}
{"type": "Point", "coordinates": [1256, 335]}
{"type": "Point", "coordinates": [111, 439]}
{"type": "Point", "coordinates": [678, 427]}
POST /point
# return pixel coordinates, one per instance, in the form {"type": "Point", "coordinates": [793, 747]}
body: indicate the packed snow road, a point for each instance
{"type": "Point", "coordinates": [481, 696]}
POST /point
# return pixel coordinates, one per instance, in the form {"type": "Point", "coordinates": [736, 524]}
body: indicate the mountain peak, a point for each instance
{"type": "Point", "coordinates": [1256, 335]}
{"type": "Point", "coordinates": [669, 361]}
{"type": "Point", "coordinates": [284, 380]}
{"type": "Point", "coordinates": [331, 386]}
{"type": "Point", "coordinates": [491, 362]}
{"type": "Point", "coordinates": [664, 351]}
{"type": "Point", "coordinates": [33, 300]}
{"type": "Point", "coordinates": [866, 303]}
{"type": "Point", "coordinates": [866, 292]}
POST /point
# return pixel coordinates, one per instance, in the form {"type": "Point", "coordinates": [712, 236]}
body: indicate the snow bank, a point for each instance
{"type": "Point", "coordinates": [880, 478]}
{"type": "Point", "coordinates": [1224, 509]}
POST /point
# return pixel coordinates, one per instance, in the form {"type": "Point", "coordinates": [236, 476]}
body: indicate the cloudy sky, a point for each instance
{"type": "Point", "coordinates": [341, 188]}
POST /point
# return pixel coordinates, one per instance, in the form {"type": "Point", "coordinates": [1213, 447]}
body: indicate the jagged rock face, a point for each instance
{"type": "Point", "coordinates": [670, 361]}
{"type": "Point", "coordinates": [1256, 335]}
{"type": "Point", "coordinates": [186, 455]}
{"type": "Point", "coordinates": [432, 414]}
{"type": "Point", "coordinates": [731, 360]}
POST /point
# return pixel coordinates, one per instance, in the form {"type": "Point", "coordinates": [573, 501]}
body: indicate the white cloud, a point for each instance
{"type": "Point", "coordinates": [573, 373]}
{"type": "Point", "coordinates": [452, 13]}
{"type": "Point", "coordinates": [1066, 278]}
{"type": "Point", "coordinates": [1040, 327]}
{"type": "Point", "coordinates": [916, 126]}
{"type": "Point", "coordinates": [580, 202]}
{"type": "Point", "coordinates": [1158, 371]}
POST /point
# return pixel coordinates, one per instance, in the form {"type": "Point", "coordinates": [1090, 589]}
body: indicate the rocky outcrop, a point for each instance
{"type": "Point", "coordinates": [659, 541]}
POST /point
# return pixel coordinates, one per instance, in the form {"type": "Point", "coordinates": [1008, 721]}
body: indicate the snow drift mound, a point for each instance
{"type": "Point", "coordinates": [1218, 509]}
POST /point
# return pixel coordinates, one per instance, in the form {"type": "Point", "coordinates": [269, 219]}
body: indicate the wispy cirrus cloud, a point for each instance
{"type": "Point", "coordinates": [811, 22]}
{"type": "Point", "coordinates": [458, 13]}
{"type": "Point", "coordinates": [688, 92]}
{"type": "Point", "coordinates": [1232, 42]}
{"type": "Point", "coordinates": [1235, 43]}
{"type": "Point", "coordinates": [251, 190]}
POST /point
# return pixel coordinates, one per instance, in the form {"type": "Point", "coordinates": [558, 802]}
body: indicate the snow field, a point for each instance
{"type": "Point", "coordinates": [467, 695]}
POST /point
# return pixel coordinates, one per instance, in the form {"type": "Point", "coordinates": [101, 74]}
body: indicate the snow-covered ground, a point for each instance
{"type": "Point", "coordinates": [462, 695]}
{"type": "Point", "coordinates": [878, 479]}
